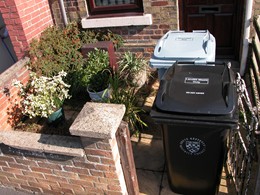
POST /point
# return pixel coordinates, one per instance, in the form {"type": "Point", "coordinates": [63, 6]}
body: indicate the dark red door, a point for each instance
{"type": "Point", "coordinates": [223, 18]}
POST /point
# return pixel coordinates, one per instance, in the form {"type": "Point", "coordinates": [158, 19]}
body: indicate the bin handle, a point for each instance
{"type": "Point", "coordinates": [163, 91]}
{"type": "Point", "coordinates": [205, 41]}
{"type": "Point", "coordinates": [226, 85]}
{"type": "Point", "coordinates": [162, 40]}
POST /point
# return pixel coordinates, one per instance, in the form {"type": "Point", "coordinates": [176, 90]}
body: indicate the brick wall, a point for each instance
{"type": "Point", "coordinates": [139, 39]}
{"type": "Point", "coordinates": [9, 107]}
{"type": "Point", "coordinates": [75, 9]}
{"type": "Point", "coordinates": [25, 20]}
{"type": "Point", "coordinates": [95, 173]}
{"type": "Point", "coordinates": [89, 163]}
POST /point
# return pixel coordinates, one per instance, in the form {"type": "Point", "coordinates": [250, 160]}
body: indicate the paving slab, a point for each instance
{"type": "Point", "coordinates": [149, 182]}
{"type": "Point", "coordinates": [165, 190]}
{"type": "Point", "coordinates": [148, 153]}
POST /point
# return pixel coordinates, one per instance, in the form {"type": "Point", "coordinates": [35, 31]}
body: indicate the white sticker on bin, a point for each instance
{"type": "Point", "coordinates": [193, 146]}
{"type": "Point", "coordinates": [191, 80]}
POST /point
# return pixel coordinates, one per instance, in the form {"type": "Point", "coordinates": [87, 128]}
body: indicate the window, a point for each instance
{"type": "Point", "coordinates": [110, 8]}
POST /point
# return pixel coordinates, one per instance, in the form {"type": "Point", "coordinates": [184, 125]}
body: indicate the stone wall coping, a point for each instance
{"type": "Point", "coordinates": [12, 70]}
{"type": "Point", "coordinates": [98, 120]}
{"type": "Point", "coordinates": [56, 144]}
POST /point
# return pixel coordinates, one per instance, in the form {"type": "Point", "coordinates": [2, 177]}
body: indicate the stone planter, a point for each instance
{"type": "Point", "coordinates": [140, 78]}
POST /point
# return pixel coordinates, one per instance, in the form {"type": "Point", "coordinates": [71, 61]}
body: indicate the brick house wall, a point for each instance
{"type": "Point", "coordinates": [75, 10]}
{"type": "Point", "coordinates": [141, 39]}
{"type": "Point", "coordinates": [25, 20]}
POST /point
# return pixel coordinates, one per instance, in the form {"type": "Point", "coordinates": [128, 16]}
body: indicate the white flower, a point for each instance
{"type": "Point", "coordinates": [43, 95]}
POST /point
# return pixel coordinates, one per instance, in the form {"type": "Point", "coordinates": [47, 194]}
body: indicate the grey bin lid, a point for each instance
{"type": "Point", "coordinates": [197, 90]}
{"type": "Point", "coordinates": [196, 46]}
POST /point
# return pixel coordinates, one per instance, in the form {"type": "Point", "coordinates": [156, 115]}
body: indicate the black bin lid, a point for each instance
{"type": "Point", "coordinates": [197, 89]}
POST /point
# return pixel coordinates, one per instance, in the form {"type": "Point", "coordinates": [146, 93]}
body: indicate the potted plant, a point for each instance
{"type": "Point", "coordinates": [43, 96]}
{"type": "Point", "coordinates": [96, 74]}
{"type": "Point", "coordinates": [132, 69]}
{"type": "Point", "coordinates": [98, 87]}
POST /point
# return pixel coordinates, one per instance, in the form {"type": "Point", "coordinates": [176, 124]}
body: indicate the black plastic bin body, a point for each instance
{"type": "Point", "coordinates": [197, 106]}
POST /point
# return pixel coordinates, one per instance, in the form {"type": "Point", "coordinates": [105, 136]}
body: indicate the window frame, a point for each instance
{"type": "Point", "coordinates": [113, 11]}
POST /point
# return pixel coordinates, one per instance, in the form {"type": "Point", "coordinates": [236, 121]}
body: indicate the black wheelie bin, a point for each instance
{"type": "Point", "coordinates": [196, 106]}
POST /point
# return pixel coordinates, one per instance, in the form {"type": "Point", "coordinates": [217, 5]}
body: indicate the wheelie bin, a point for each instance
{"type": "Point", "coordinates": [198, 46]}
{"type": "Point", "coordinates": [196, 106]}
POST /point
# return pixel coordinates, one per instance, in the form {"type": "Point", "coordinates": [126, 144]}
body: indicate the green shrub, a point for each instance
{"type": "Point", "coordinates": [59, 50]}
{"type": "Point", "coordinates": [56, 50]}
{"type": "Point", "coordinates": [93, 36]}
{"type": "Point", "coordinates": [97, 61]}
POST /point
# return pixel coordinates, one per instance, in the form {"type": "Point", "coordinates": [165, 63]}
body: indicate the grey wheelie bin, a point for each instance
{"type": "Point", "coordinates": [198, 46]}
{"type": "Point", "coordinates": [196, 106]}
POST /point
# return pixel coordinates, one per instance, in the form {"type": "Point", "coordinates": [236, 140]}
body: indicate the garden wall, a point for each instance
{"type": "Point", "coordinates": [87, 163]}
{"type": "Point", "coordinates": [9, 107]}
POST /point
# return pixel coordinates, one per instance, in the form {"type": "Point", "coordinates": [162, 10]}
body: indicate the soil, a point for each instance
{"type": "Point", "coordinates": [61, 126]}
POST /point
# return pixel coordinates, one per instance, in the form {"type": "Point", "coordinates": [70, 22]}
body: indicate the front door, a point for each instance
{"type": "Point", "coordinates": [223, 18]}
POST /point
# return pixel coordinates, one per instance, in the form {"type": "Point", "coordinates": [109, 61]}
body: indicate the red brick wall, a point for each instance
{"type": "Point", "coordinates": [9, 107]}
{"type": "Point", "coordinates": [98, 172]}
{"type": "Point", "coordinates": [25, 20]}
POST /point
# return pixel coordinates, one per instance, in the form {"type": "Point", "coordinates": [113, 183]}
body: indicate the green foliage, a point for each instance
{"type": "Point", "coordinates": [97, 61]}
{"type": "Point", "coordinates": [56, 50]}
{"type": "Point", "coordinates": [59, 50]}
{"type": "Point", "coordinates": [127, 96]}
{"type": "Point", "coordinates": [93, 36]}
{"type": "Point", "coordinates": [130, 66]}
{"type": "Point", "coordinates": [99, 81]}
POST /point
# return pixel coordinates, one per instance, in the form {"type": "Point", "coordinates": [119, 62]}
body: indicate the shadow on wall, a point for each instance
{"type": "Point", "coordinates": [7, 54]}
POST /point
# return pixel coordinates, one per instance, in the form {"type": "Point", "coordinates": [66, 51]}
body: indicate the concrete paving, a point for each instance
{"type": "Point", "coordinates": [151, 171]}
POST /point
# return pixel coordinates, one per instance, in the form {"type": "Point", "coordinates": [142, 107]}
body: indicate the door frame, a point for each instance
{"type": "Point", "coordinates": [244, 36]}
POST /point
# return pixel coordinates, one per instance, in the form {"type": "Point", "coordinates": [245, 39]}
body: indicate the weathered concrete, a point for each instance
{"type": "Point", "coordinates": [107, 119]}
{"type": "Point", "coordinates": [65, 145]}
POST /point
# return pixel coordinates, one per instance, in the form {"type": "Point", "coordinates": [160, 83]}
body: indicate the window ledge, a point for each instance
{"type": "Point", "coordinates": [146, 19]}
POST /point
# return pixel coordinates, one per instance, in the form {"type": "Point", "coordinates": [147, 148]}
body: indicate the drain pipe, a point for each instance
{"type": "Point", "coordinates": [246, 34]}
{"type": "Point", "coordinates": [63, 12]}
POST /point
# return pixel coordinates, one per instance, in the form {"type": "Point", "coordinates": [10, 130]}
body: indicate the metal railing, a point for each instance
{"type": "Point", "coordinates": [242, 162]}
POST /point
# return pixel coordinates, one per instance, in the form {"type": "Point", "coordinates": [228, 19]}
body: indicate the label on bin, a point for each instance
{"type": "Point", "coordinates": [192, 146]}
{"type": "Point", "coordinates": [191, 80]}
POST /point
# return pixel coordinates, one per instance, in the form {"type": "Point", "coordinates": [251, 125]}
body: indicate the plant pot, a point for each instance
{"type": "Point", "coordinates": [56, 116]}
{"type": "Point", "coordinates": [140, 78]}
{"type": "Point", "coordinates": [99, 95]}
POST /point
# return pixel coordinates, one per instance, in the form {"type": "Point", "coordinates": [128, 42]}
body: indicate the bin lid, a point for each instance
{"type": "Point", "coordinates": [180, 45]}
{"type": "Point", "coordinates": [197, 90]}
